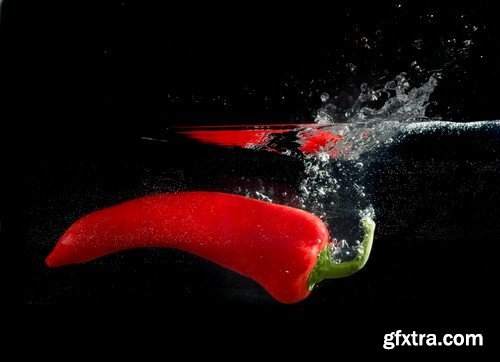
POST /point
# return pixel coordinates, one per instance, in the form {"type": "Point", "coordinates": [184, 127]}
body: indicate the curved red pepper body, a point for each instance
{"type": "Point", "coordinates": [275, 245]}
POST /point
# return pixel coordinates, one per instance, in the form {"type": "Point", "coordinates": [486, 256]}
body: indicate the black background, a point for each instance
{"type": "Point", "coordinates": [85, 81]}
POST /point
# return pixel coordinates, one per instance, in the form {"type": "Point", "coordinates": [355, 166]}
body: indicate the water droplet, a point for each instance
{"type": "Point", "coordinates": [323, 157]}
{"type": "Point", "coordinates": [418, 44]}
{"type": "Point", "coordinates": [324, 97]}
{"type": "Point", "coordinates": [351, 67]}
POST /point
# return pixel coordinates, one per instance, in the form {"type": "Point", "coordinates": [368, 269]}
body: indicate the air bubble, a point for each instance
{"type": "Point", "coordinates": [351, 67]}
{"type": "Point", "coordinates": [418, 44]}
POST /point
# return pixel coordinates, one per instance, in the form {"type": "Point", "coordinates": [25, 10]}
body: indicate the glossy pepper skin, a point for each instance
{"type": "Point", "coordinates": [275, 245]}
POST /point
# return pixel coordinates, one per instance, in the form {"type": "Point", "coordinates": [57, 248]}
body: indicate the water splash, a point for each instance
{"type": "Point", "coordinates": [336, 151]}
{"type": "Point", "coordinates": [394, 101]}
{"type": "Point", "coordinates": [335, 175]}
{"type": "Point", "coordinates": [336, 133]}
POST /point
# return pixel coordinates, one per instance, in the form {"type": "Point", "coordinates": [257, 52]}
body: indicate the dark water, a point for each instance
{"type": "Point", "coordinates": [85, 81]}
{"type": "Point", "coordinates": [435, 195]}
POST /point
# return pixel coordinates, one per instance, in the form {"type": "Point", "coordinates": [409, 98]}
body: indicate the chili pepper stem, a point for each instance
{"type": "Point", "coordinates": [326, 268]}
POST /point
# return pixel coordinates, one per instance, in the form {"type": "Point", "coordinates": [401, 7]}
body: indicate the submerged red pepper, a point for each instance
{"type": "Point", "coordinates": [284, 249]}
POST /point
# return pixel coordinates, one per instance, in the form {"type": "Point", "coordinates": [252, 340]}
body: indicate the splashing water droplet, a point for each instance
{"type": "Point", "coordinates": [351, 67]}
{"type": "Point", "coordinates": [400, 102]}
{"type": "Point", "coordinates": [418, 44]}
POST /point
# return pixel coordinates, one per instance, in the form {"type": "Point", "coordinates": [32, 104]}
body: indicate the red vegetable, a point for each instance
{"type": "Point", "coordinates": [282, 248]}
{"type": "Point", "coordinates": [316, 141]}
{"type": "Point", "coordinates": [232, 138]}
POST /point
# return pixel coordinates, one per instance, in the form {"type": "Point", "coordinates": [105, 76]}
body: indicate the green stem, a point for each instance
{"type": "Point", "coordinates": [326, 268]}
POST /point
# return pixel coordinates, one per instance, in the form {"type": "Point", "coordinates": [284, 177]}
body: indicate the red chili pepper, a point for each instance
{"type": "Point", "coordinates": [284, 249]}
{"type": "Point", "coordinates": [315, 141]}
